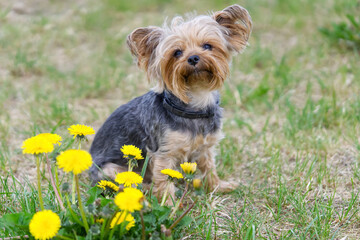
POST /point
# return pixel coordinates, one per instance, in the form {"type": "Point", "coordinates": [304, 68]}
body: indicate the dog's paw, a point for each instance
{"type": "Point", "coordinates": [226, 187]}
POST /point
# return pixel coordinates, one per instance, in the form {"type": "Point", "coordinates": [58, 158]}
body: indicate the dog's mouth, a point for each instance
{"type": "Point", "coordinates": [199, 74]}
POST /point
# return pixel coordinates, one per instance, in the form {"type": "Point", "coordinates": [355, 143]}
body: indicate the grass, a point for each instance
{"type": "Point", "coordinates": [347, 32]}
{"type": "Point", "coordinates": [291, 108]}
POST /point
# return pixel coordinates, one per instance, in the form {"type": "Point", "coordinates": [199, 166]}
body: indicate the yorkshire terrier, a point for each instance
{"type": "Point", "coordinates": [179, 120]}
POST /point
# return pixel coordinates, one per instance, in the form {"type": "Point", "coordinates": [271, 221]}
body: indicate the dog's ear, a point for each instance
{"type": "Point", "coordinates": [142, 43]}
{"type": "Point", "coordinates": [237, 24]}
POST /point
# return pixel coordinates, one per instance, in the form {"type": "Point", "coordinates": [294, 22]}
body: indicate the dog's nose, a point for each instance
{"type": "Point", "coordinates": [193, 60]}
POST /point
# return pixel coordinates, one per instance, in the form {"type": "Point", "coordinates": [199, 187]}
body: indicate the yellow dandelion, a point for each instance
{"type": "Point", "coordinates": [131, 150]}
{"type": "Point", "coordinates": [37, 145]}
{"type": "Point", "coordinates": [74, 160]}
{"type": "Point", "coordinates": [188, 168]}
{"type": "Point", "coordinates": [129, 200]}
{"type": "Point", "coordinates": [80, 130]}
{"type": "Point", "coordinates": [51, 137]}
{"type": "Point", "coordinates": [120, 217]}
{"type": "Point", "coordinates": [107, 184]}
{"type": "Point", "coordinates": [44, 224]}
{"type": "Point", "coordinates": [128, 179]}
{"type": "Point", "coordinates": [172, 173]}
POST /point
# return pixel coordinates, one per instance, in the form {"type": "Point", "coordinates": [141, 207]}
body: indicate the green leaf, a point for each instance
{"type": "Point", "coordinates": [208, 235]}
{"type": "Point", "coordinates": [94, 193]}
{"type": "Point", "coordinates": [185, 222]}
{"type": "Point", "coordinates": [105, 202]}
{"type": "Point", "coordinates": [16, 223]}
{"type": "Point", "coordinates": [72, 214]}
{"type": "Point", "coordinates": [17, 219]}
{"type": "Point", "coordinates": [144, 167]}
{"type": "Point", "coordinates": [250, 234]}
{"type": "Point", "coordinates": [165, 213]}
{"type": "Point", "coordinates": [353, 21]}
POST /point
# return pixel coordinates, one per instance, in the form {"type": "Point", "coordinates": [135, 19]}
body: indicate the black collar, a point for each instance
{"type": "Point", "coordinates": [179, 108]}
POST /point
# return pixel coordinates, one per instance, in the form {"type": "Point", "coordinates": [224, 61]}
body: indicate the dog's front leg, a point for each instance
{"type": "Point", "coordinates": [160, 180]}
{"type": "Point", "coordinates": [206, 164]}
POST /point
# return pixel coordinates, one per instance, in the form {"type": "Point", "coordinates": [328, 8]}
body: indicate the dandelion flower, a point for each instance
{"type": "Point", "coordinates": [188, 168]}
{"type": "Point", "coordinates": [131, 150]}
{"type": "Point", "coordinates": [128, 178]}
{"type": "Point", "coordinates": [107, 184]}
{"type": "Point", "coordinates": [129, 200]}
{"type": "Point", "coordinates": [44, 224]}
{"type": "Point", "coordinates": [74, 160]}
{"type": "Point", "coordinates": [51, 137]}
{"type": "Point", "coordinates": [80, 130]}
{"type": "Point", "coordinates": [120, 217]}
{"type": "Point", "coordinates": [37, 145]}
{"type": "Point", "coordinates": [172, 173]}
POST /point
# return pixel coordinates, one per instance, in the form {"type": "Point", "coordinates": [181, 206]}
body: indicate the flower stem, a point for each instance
{"type": "Point", "coordinates": [165, 193]}
{"type": "Point", "coordinates": [57, 182]}
{"type": "Point", "coordinates": [113, 229]}
{"type": "Point", "coordinates": [80, 204]}
{"type": "Point", "coordinates": [73, 190]}
{"type": "Point", "coordinates": [130, 165]}
{"type": "Point", "coordinates": [73, 182]}
{"type": "Point", "coordinates": [39, 182]}
{"type": "Point", "coordinates": [143, 236]}
{"type": "Point", "coordinates": [122, 224]}
{"type": "Point", "coordinates": [179, 201]}
{"type": "Point", "coordinates": [108, 225]}
{"type": "Point", "coordinates": [182, 216]}
{"type": "Point", "coordinates": [53, 183]}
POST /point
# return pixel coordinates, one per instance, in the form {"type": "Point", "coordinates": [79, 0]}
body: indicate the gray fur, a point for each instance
{"type": "Point", "coordinates": [142, 123]}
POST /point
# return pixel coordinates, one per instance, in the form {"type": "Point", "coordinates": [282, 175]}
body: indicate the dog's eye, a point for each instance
{"type": "Point", "coordinates": [177, 53]}
{"type": "Point", "coordinates": [207, 46]}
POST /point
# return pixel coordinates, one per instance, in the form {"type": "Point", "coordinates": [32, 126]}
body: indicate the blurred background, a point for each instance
{"type": "Point", "coordinates": [292, 98]}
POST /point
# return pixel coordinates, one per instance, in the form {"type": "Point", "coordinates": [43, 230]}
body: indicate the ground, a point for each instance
{"type": "Point", "coordinates": [291, 106]}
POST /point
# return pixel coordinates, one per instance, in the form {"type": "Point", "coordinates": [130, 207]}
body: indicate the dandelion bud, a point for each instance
{"type": "Point", "coordinates": [197, 183]}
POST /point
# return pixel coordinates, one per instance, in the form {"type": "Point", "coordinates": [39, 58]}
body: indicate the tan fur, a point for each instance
{"type": "Point", "coordinates": [111, 169]}
{"type": "Point", "coordinates": [142, 43]}
{"type": "Point", "coordinates": [237, 33]}
{"type": "Point", "coordinates": [154, 48]}
{"type": "Point", "coordinates": [200, 99]}
{"type": "Point", "coordinates": [189, 37]}
{"type": "Point", "coordinates": [179, 147]}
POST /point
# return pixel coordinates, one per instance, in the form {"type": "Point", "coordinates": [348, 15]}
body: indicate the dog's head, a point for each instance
{"type": "Point", "coordinates": [193, 54]}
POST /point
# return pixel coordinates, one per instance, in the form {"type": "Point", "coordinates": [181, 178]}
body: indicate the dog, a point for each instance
{"type": "Point", "coordinates": [179, 120]}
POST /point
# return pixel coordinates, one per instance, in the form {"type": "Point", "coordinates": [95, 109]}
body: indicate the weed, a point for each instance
{"type": "Point", "coordinates": [344, 33]}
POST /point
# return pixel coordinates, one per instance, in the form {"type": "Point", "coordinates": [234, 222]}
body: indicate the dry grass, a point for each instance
{"type": "Point", "coordinates": [291, 105]}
